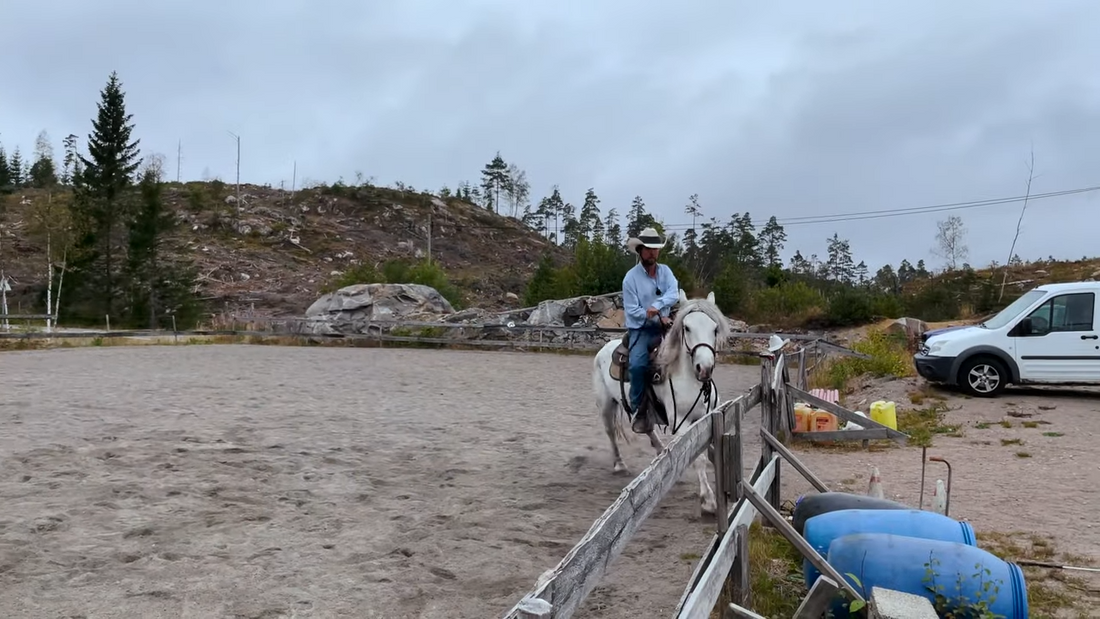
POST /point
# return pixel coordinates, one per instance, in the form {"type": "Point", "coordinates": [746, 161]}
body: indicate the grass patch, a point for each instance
{"type": "Point", "coordinates": [775, 571]}
{"type": "Point", "coordinates": [889, 356]}
{"type": "Point", "coordinates": [1030, 424]}
{"type": "Point", "coordinates": [1006, 423]}
{"type": "Point", "coordinates": [922, 424]}
{"type": "Point", "coordinates": [1022, 454]}
{"type": "Point", "coordinates": [925, 393]}
{"type": "Point", "coordinates": [1053, 434]}
{"type": "Point", "coordinates": [1005, 442]}
{"type": "Point", "coordinates": [1049, 591]}
{"type": "Point", "coordinates": [982, 425]}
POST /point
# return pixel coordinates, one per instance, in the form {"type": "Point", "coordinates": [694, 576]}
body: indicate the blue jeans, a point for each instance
{"type": "Point", "coordinates": [638, 361]}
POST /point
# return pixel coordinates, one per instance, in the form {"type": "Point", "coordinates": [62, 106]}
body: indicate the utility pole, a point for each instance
{"type": "Point", "coordinates": [238, 139]}
{"type": "Point", "coordinates": [430, 236]}
{"type": "Point", "coordinates": [179, 158]}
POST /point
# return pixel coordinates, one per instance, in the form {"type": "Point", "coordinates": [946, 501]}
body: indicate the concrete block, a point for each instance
{"type": "Point", "coordinates": [890, 604]}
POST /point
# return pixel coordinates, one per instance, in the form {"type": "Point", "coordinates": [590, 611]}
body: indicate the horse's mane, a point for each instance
{"type": "Point", "coordinates": [669, 352]}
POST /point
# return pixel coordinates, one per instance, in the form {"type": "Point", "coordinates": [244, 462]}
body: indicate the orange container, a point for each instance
{"type": "Point", "coordinates": [824, 421]}
{"type": "Point", "coordinates": [803, 418]}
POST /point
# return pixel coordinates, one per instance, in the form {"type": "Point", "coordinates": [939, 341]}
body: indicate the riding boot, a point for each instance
{"type": "Point", "coordinates": [642, 424]}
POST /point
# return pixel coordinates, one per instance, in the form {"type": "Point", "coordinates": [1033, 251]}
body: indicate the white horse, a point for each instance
{"type": "Point", "coordinates": [686, 359]}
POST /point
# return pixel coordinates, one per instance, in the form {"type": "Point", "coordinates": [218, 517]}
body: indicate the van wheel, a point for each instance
{"type": "Point", "coordinates": [984, 377]}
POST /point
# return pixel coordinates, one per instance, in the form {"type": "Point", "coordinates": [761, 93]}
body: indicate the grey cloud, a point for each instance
{"type": "Point", "coordinates": [790, 109]}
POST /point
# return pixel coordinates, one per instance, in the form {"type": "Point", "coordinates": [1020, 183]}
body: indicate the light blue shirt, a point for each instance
{"type": "Point", "coordinates": [640, 293]}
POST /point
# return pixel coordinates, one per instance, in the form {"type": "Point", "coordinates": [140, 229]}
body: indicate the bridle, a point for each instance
{"type": "Point", "coordinates": [707, 386]}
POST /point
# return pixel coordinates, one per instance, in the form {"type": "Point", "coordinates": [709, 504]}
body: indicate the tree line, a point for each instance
{"type": "Point", "coordinates": [110, 254]}
{"type": "Point", "coordinates": [739, 259]}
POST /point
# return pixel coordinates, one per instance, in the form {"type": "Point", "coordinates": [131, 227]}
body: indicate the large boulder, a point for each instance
{"type": "Point", "coordinates": [352, 309]}
{"type": "Point", "coordinates": [911, 328]}
{"type": "Point", "coordinates": [578, 311]}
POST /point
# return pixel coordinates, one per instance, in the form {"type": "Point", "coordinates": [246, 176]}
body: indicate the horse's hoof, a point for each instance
{"type": "Point", "coordinates": [620, 469]}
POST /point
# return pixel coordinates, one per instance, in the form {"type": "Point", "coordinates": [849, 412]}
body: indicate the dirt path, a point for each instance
{"type": "Point", "coordinates": [254, 481]}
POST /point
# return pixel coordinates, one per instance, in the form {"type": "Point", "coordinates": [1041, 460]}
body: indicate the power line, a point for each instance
{"type": "Point", "coordinates": [917, 210]}
{"type": "Point", "coordinates": [861, 215]}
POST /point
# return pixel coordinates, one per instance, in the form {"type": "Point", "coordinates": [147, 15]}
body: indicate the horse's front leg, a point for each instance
{"type": "Point", "coordinates": [655, 441]}
{"type": "Point", "coordinates": [707, 498]}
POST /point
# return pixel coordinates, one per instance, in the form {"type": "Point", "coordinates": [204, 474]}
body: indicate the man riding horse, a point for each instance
{"type": "Point", "coordinates": [649, 291]}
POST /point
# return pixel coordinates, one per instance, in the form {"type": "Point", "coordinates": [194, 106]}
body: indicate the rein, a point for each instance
{"type": "Point", "coordinates": [704, 391]}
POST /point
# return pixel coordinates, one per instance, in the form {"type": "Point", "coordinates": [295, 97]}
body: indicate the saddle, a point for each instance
{"type": "Point", "coordinates": [620, 361]}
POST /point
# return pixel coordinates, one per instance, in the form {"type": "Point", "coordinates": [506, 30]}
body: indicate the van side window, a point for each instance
{"type": "Point", "coordinates": [1067, 312]}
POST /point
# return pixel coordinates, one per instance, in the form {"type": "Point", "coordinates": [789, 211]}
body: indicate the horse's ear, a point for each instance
{"type": "Point", "coordinates": [683, 297]}
{"type": "Point", "coordinates": [710, 296]}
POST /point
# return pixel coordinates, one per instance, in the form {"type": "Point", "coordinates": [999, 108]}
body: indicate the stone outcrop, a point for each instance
{"type": "Point", "coordinates": [353, 309]}
{"type": "Point", "coordinates": [372, 308]}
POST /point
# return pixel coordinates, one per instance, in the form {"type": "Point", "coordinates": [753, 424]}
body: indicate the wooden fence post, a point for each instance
{"type": "Point", "coordinates": [802, 370]}
{"type": "Point", "coordinates": [741, 589]}
{"type": "Point", "coordinates": [769, 418]}
{"type": "Point", "coordinates": [718, 458]}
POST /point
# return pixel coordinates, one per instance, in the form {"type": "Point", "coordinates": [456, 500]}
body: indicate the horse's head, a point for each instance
{"type": "Point", "coordinates": [698, 331]}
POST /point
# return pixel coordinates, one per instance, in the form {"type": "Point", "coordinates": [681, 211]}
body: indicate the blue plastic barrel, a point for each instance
{"type": "Point", "coordinates": [913, 565]}
{"type": "Point", "coordinates": [821, 530]}
{"type": "Point", "coordinates": [811, 505]}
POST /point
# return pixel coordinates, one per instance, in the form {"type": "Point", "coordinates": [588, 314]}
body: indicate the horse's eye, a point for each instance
{"type": "Point", "coordinates": [687, 328]}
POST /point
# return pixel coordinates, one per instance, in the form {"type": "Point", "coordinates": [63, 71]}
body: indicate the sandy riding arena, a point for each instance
{"type": "Point", "coordinates": [276, 482]}
{"type": "Point", "coordinates": [262, 481]}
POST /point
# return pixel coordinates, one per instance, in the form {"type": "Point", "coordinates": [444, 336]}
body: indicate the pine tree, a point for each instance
{"type": "Point", "coordinates": [589, 222]}
{"type": "Point", "coordinates": [638, 218]}
{"type": "Point", "coordinates": [70, 166]}
{"type": "Point", "coordinates": [772, 237]}
{"type": "Point", "coordinates": [494, 179]}
{"type": "Point", "coordinates": [613, 230]}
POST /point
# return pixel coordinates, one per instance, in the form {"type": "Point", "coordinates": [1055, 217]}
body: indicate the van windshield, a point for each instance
{"type": "Point", "coordinates": [1013, 310]}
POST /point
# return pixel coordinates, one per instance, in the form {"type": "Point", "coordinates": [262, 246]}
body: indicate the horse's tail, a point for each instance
{"type": "Point", "coordinates": [620, 427]}
{"type": "Point", "coordinates": [606, 399]}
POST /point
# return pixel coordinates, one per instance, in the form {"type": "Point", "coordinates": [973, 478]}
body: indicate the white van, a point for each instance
{"type": "Point", "coordinates": [1048, 336]}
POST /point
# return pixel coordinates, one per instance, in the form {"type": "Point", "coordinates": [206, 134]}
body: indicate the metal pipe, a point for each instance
{"type": "Point", "coordinates": [947, 504]}
{"type": "Point", "coordinates": [923, 464]}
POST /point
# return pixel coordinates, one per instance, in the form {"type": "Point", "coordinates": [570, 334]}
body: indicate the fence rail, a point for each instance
{"type": "Point", "coordinates": [560, 591]}
{"type": "Point", "coordinates": [485, 334]}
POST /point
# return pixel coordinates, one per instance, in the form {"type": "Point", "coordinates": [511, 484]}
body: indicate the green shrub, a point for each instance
{"type": "Point", "coordinates": [889, 356]}
{"type": "Point", "coordinates": [850, 307]}
{"type": "Point", "coordinates": [358, 274]}
{"type": "Point", "coordinates": [787, 301]}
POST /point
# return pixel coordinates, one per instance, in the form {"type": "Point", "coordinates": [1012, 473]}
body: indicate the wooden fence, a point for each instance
{"type": "Point", "coordinates": [475, 335]}
{"type": "Point", "coordinates": [560, 591]}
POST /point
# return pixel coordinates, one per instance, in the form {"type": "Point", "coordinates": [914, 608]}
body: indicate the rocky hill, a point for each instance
{"type": "Point", "coordinates": [289, 247]}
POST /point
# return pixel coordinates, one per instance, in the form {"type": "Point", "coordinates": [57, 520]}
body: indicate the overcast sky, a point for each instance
{"type": "Point", "coordinates": [792, 109]}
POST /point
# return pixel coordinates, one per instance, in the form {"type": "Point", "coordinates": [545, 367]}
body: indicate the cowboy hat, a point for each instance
{"type": "Point", "coordinates": [775, 343]}
{"type": "Point", "coordinates": [646, 238]}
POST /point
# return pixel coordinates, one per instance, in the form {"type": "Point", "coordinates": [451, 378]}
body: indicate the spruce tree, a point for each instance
{"type": "Point", "coordinates": [5, 172]}
{"type": "Point", "coordinates": [102, 208]}
{"type": "Point", "coordinates": [16, 168]}
{"type": "Point", "coordinates": [158, 283]}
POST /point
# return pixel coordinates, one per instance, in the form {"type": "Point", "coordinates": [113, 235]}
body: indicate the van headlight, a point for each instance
{"type": "Point", "coordinates": [934, 348]}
